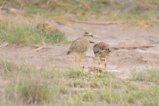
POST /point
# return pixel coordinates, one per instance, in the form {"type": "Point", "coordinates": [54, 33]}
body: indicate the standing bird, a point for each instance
{"type": "Point", "coordinates": [80, 45]}
{"type": "Point", "coordinates": [101, 50]}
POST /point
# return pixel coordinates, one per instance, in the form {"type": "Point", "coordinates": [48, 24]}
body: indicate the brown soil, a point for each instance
{"type": "Point", "coordinates": [121, 61]}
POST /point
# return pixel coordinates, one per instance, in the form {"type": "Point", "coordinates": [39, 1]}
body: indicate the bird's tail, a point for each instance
{"type": "Point", "coordinates": [68, 52]}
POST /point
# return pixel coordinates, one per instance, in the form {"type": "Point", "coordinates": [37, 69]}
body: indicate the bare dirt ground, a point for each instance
{"type": "Point", "coordinates": [121, 62]}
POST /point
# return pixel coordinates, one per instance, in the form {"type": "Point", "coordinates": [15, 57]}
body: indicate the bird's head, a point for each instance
{"type": "Point", "coordinates": [88, 34]}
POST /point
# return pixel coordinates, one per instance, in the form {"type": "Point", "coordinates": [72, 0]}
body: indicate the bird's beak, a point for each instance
{"type": "Point", "coordinates": [91, 35]}
{"type": "Point", "coordinates": [95, 36]}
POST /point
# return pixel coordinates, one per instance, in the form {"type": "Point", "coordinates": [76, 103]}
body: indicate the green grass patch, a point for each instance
{"type": "Point", "coordinates": [71, 87]}
{"type": "Point", "coordinates": [28, 34]}
{"type": "Point", "coordinates": [32, 92]}
{"type": "Point", "coordinates": [151, 75]}
{"type": "Point", "coordinates": [88, 96]}
{"type": "Point", "coordinates": [129, 11]}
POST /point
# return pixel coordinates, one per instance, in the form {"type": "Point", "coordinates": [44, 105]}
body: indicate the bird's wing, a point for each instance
{"type": "Point", "coordinates": [75, 43]}
{"type": "Point", "coordinates": [96, 50]}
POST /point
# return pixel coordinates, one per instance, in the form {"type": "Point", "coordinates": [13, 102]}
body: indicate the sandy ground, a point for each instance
{"type": "Point", "coordinates": [122, 61]}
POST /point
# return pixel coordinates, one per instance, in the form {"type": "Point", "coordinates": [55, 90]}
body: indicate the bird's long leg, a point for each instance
{"type": "Point", "coordinates": [75, 57]}
{"type": "Point", "coordinates": [81, 59]}
{"type": "Point", "coordinates": [105, 63]}
{"type": "Point", "coordinates": [75, 60]}
{"type": "Point", "coordinates": [99, 62]}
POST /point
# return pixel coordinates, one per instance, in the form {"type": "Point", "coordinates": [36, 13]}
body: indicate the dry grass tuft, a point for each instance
{"type": "Point", "coordinates": [29, 86]}
{"type": "Point", "coordinates": [28, 34]}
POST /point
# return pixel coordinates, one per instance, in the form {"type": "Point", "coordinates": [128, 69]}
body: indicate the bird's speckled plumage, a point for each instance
{"type": "Point", "coordinates": [101, 49]}
{"type": "Point", "coordinates": [80, 45]}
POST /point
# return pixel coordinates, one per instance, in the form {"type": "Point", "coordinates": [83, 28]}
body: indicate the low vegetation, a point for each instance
{"type": "Point", "coordinates": [26, 85]}
{"type": "Point", "coordinates": [28, 34]}
{"type": "Point", "coordinates": [150, 75]}
{"type": "Point", "coordinates": [116, 10]}
{"type": "Point", "coordinates": [71, 87]}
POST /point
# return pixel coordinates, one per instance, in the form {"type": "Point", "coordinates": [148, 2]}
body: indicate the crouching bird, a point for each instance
{"type": "Point", "coordinates": [101, 50]}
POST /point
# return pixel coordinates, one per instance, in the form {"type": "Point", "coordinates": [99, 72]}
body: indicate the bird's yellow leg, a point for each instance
{"type": "Point", "coordinates": [99, 61]}
{"type": "Point", "coordinates": [81, 59]}
{"type": "Point", "coordinates": [105, 63]}
{"type": "Point", "coordinates": [75, 58]}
